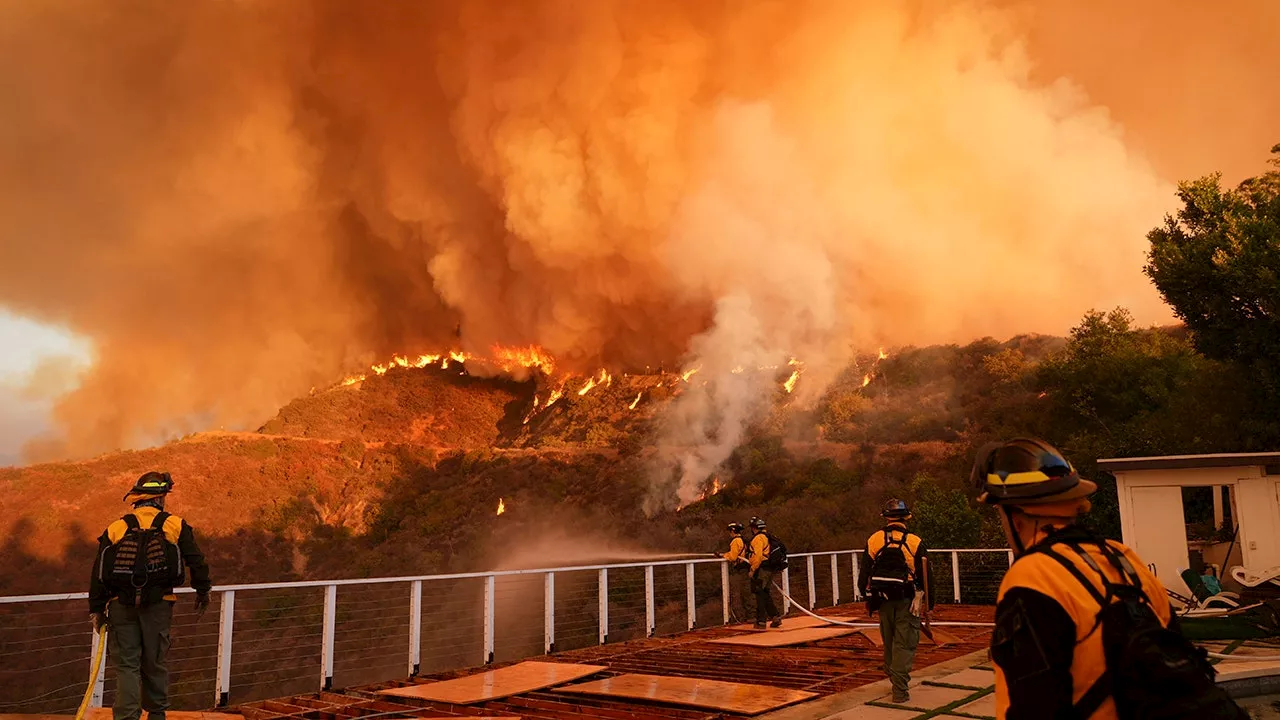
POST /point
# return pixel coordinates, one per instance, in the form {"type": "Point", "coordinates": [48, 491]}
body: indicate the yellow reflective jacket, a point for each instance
{"type": "Point", "coordinates": [176, 531]}
{"type": "Point", "coordinates": [759, 550]}
{"type": "Point", "coordinates": [1047, 645]}
{"type": "Point", "coordinates": [736, 546]}
{"type": "Point", "coordinates": [913, 552]}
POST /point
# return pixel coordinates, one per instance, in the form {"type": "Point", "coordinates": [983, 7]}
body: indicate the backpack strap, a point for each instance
{"type": "Point", "coordinates": [131, 520]}
{"type": "Point", "coordinates": [1100, 690]}
{"type": "Point", "coordinates": [1075, 571]}
{"type": "Point", "coordinates": [160, 519]}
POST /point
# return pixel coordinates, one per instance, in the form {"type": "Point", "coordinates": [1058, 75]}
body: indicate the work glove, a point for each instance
{"type": "Point", "coordinates": [99, 620]}
{"type": "Point", "coordinates": [917, 602]}
{"type": "Point", "coordinates": [202, 604]}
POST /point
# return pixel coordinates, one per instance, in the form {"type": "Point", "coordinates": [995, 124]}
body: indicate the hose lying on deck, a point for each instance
{"type": "Point", "coordinates": [873, 625]}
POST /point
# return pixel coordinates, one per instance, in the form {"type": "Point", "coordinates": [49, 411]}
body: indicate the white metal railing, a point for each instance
{"type": "Point", "coordinates": [981, 578]}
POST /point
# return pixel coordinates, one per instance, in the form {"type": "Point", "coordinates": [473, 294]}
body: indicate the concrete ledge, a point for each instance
{"type": "Point", "coordinates": [1252, 686]}
{"type": "Point", "coordinates": [850, 699]}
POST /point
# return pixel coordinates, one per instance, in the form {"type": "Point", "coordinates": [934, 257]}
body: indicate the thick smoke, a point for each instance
{"type": "Point", "coordinates": [237, 201]}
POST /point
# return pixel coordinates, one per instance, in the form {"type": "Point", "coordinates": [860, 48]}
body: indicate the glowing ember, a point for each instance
{"type": "Point", "coordinates": [633, 404]}
{"type": "Point", "coordinates": [866, 380]}
{"type": "Point", "coordinates": [501, 507]}
{"type": "Point", "coordinates": [790, 384]}
{"type": "Point", "coordinates": [738, 370]}
{"type": "Point", "coordinates": [1042, 395]}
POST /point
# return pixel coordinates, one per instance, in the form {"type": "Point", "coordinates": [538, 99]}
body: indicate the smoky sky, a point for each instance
{"type": "Point", "coordinates": [238, 200]}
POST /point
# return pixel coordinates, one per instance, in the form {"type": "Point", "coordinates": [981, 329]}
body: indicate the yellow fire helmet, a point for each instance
{"type": "Point", "coordinates": [1026, 471]}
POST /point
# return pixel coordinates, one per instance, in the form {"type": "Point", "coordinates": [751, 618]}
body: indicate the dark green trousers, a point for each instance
{"type": "Point", "coordinates": [139, 640]}
{"type": "Point", "coordinates": [901, 633]}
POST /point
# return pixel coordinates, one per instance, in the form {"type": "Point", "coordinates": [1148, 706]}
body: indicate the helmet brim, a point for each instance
{"type": "Point", "coordinates": [1082, 489]}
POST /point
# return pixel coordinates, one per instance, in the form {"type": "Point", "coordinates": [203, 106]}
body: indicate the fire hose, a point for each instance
{"type": "Point", "coordinates": [870, 625]}
{"type": "Point", "coordinates": [93, 675]}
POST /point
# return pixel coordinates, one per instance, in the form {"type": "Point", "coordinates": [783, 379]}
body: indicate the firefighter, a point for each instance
{"type": "Point", "coordinates": [1048, 644]}
{"type": "Point", "coordinates": [140, 560]}
{"type": "Point", "coordinates": [892, 579]}
{"type": "Point", "coordinates": [760, 575]}
{"type": "Point", "coordinates": [739, 572]}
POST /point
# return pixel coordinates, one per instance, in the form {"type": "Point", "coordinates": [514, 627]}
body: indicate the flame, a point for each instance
{"type": "Point", "coordinates": [715, 485]}
{"type": "Point", "coordinates": [866, 380]}
{"type": "Point", "coordinates": [591, 382]}
{"type": "Point", "coordinates": [352, 380]}
{"type": "Point", "coordinates": [689, 373]}
{"type": "Point", "coordinates": [555, 395]}
{"type": "Point", "coordinates": [883, 355]}
{"type": "Point", "coordinates": [501, 506]}
{"type": "Point", "coordinates": [790, 384]}
{"type": "Point", "coordinates": [606, 378]}
{"type": "Point", "coordinates": [531, 356]}
{"type": "Point", "coordinates": [633, 404]}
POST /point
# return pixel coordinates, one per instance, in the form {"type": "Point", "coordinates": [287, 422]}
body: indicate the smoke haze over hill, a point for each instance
{"type": "Point", "coordinates": [237, 201]}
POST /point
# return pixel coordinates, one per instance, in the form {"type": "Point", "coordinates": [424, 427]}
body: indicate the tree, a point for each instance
{"type": "Point", "coordinates": [944, 517]}
{"type": "Point", "coordinates": [1218, 264]}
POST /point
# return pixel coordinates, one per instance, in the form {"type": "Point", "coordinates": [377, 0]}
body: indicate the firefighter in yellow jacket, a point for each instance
{"type": "Point", "coordinates": [892, 579]}
{"type": "Point", "coordinates": [1047, 645]}
{"type": "Point", "coordinates": [739, 572]}
{"type": "Point", "coordinates": [141, 559]}
{"type": "Point", "coordinates": [761, 576]}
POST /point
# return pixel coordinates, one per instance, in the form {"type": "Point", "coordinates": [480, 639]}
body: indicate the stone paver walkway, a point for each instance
{"type": "Point", "coordinates": [965, 694]}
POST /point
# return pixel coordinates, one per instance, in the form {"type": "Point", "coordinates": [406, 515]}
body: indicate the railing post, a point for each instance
{"type": "Point", "coordinates": [856, 594]}
{"type": "Point", "coordinates": [689, 597]}
{"type": "Point", "coordinates": [604, 605]}
{"type": "Point", "coordinates": [724, 590]}
{"type": "Point", "coordinates": [549, 624]}
{"type": "Point", "coordinates": [813, 601]}
{"type": "Point", "coordinates": [326, 648]}
{"type": "Point", "coordinates": [955, 574]}
{"type": "Point", "coordinates": [649, 624]}
{"type": "Point", "coordinates": [222, 686]}
{"type": "Point", "coordinates": [97, 681]}
{"type": "Point", "coordinates": [415, 627]}
{"type": "Point", "coordinates": [835, 581]}
{"type": "Point", "coordinates": [786, 587]}
{"type": "Point", "coordinates": [488, 618]}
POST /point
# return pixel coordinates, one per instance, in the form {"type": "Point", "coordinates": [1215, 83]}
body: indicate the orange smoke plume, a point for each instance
{"type": "Point", "coordinates": [334, 183]}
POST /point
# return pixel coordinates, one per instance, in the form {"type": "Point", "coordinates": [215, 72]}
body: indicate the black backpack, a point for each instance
{"type": "Point", "coordinates": [1153, 672]}
{"type": "Point", "coordinates": [777, 559]}
{"type": "Point", "coordinates": [891, 574]}
{"type": "Point", "coordinates": [143, 564]}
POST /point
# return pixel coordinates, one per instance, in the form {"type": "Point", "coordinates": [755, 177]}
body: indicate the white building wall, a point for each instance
{"type": "Point", "coordinates": [1148, 528]}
